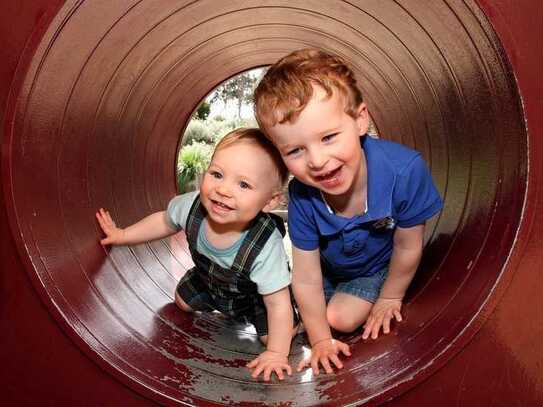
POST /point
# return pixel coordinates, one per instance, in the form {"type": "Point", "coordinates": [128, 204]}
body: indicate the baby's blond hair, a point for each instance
{"type": "Point", "coordinates": [255, 136]}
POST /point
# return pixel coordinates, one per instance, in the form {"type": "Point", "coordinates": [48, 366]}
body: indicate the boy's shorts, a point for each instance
{"type": "Point", "coordinates": [367, 288]}
{"type": "Point", "coordinates": [194, 293]}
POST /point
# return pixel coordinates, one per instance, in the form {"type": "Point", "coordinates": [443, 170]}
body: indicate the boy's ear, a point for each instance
{"type": "Point", "coordinates": [362, 118]}
{"type": "Point", "coordinates": [276, 199]}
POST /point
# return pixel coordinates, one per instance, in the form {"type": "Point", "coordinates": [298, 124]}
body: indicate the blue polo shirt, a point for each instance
{"type": "Point", "coordinates": [400, 192]}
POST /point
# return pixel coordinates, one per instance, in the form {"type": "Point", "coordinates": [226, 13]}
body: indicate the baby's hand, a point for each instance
{"type": "Point", "coordinates": [268, 362]}
{"type": "Point", "coordinates": [114, 235]}
{"type": "Point", "coordinates": [383, 311]}
{"type": "Point", "coordinates": [323, 352]}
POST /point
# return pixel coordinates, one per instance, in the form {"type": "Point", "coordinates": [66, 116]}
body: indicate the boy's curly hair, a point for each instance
{"type": "Point", "coordinates": [287, 87]}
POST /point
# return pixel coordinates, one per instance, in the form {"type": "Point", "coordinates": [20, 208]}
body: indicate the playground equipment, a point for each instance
{"type": "Point", "coordinates": [95, 95]}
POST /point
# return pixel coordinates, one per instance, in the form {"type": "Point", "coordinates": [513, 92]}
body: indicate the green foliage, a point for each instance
{"type": "Point", "coordinates": [211, 131]}
{"type": "Point", "coordinates": [203, 132]}
{"type": "Point", "coordinates": [192, 162]}
{"type": "Point", "coordinates": [203, 111]}
{"type": "Point", "coordinates": [198, 132]}
{"type": "Point", "coordinates": [219, 129]}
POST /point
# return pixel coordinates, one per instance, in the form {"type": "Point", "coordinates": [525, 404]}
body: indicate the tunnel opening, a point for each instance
{"type": "Point", "coordinates": [97, 123]}
{"type": "Point", "coordinates": [226, 107]}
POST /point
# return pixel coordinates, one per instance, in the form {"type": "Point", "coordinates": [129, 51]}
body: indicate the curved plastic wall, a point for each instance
{"type": "Point", "coordinates": [100, 98]}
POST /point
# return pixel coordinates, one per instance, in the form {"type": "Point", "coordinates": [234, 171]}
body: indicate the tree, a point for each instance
{"type": "Point", "coordinates": [203, 111]}
{"type": "Point", "coordinates": [240, 88]}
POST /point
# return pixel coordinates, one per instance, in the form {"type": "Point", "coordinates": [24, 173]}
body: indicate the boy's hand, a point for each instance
{"type": "Point", "coordinates": [383, 311]}
{"type": "Point", "coordinates": [114, 234]}
{"type": "Point", "coordinates": [267, 363]}
{"type": "Point", "coordinates": [323, 352]}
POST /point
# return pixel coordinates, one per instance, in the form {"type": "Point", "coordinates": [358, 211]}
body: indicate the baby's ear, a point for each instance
{"type": "Point", "coordinates": [277, 199]}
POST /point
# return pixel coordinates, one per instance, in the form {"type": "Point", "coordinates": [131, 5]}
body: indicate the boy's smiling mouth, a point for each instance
{"type": "Point", "coordinates": [328, 175]}
{"type": "Point", "coordinates": [330, 179]}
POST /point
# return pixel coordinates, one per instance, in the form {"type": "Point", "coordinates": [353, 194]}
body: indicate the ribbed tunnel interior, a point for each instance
{"type": "Point", "coordinates": [97, 124]}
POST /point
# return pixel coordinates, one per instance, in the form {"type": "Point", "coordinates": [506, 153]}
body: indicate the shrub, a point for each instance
{"type": "Point", "coordinates": [219, 129]}
{"type": "Point", "coordinates": [192, 162]}
{"type": "Point", "coordinates": [197, 132]}
{"type": "Point", "coordinates": [203, 111]}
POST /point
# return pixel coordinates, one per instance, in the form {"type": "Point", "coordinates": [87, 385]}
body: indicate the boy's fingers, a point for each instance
{"type": "Point", "coordinates": [386, 324]}
{"type": "Point", "coordinates": [325, 362]}
{"type": "Point", "coordinates": [288, 369]}
{"type": "Point", "coordinates": [256, 372]}
{"type": "Point", "coordinates": [398, 316]}
{"type": "Point", "coordinates": [376, 328]}
{"type": "Point", "coordinates": [367, 329]}
{"type": "Point", "coordinates": [337, 363]}
{"type": "Point", "coordinates": [345, 349]}
{"type": "Point", "coordinates": [279, 372]}
{"type": "Point", "coordinates": [315, 366]}
{"type": "Point", "coordinates": [252, 363]}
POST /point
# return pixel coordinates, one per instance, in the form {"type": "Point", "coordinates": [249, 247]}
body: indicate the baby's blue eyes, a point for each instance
{"type": "Point", "coordinates": [218, 175]}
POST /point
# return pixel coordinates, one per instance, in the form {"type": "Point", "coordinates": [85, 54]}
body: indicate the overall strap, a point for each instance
{"type": "Point", "coordinates": [194, 221]}
{"type": "Point", "coordinates": [260, 231]}
{"type": "Point", "coordinates": [209, 271]}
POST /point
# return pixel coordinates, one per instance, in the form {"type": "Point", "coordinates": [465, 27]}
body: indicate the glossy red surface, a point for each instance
{"type": "Point", "coordinates": [95, 95]}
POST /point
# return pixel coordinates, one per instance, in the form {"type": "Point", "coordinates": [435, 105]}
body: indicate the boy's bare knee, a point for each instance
{"type": "Point", "coordinates": [182, 304]}
{"type": "Point", "coordinates": [340, 322]}
{"type": "Point", "coordinates": [343, 319]}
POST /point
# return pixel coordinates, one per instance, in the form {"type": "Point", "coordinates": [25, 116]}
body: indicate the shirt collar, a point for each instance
{"type": "Point", "coordinates": [381, 180]}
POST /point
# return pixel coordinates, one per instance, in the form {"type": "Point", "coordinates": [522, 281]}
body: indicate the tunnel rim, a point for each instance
{"type": "Point", "coordinates": [487, 305]}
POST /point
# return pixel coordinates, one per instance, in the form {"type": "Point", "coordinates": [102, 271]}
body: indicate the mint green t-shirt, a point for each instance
{"type": "Point", "coordinates": [270, 270]}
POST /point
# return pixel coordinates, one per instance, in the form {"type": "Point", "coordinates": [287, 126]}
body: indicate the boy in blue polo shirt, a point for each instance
{"type": "Point", "coordinates": [357, 206]}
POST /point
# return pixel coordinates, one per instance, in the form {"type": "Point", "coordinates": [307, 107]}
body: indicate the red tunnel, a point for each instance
{"type": "Point", "coordinates": [94, 99]}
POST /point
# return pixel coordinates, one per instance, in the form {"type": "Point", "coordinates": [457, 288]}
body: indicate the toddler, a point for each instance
{"type": "Point", "coordinates": [241, 268]}
{"type": "Point", "coordinates": [357, 205]}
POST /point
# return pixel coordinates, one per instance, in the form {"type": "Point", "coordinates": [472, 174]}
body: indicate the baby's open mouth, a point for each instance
{"type": "Point", "coordinates": [221, 205]}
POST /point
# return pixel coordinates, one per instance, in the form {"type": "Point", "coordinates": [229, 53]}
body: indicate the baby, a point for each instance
{"type": "Point", "coordinates": [241, 268]}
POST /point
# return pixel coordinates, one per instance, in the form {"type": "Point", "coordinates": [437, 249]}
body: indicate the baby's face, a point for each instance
{"type": "Point", "coordinates": [322, 147]}
{"type": "Point", "coordinates": [240, 182]}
